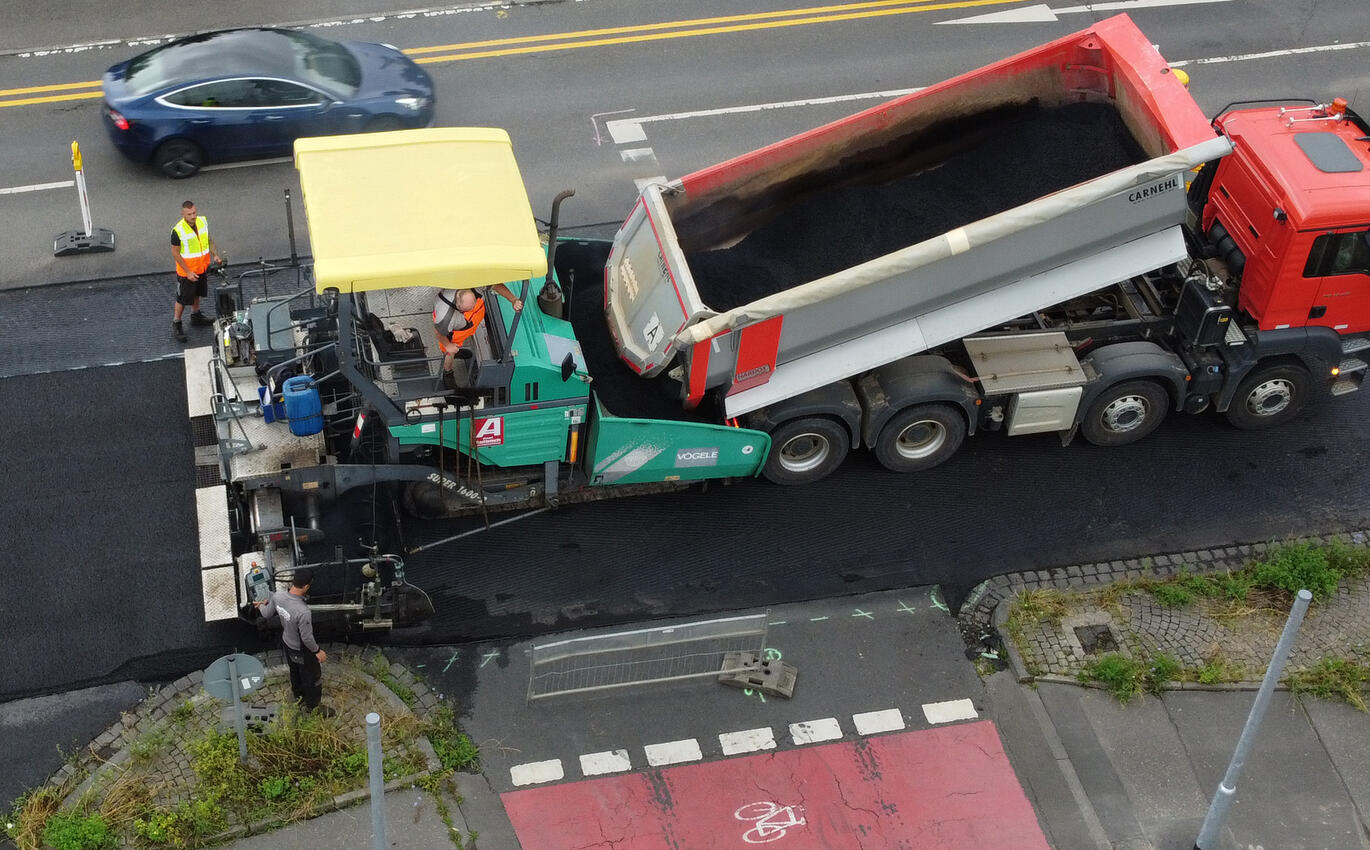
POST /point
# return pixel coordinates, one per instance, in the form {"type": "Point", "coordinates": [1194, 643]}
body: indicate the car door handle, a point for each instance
{"type": "Point", "coordinates": [200, 121]}
{"type": "Point", "coordinates": [274, 118]}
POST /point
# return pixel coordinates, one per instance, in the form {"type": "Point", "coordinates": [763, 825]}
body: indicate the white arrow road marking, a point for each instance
{"type": "Point", "coordinates": [1041, 13]}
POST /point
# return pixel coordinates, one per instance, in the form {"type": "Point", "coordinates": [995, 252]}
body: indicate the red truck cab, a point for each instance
{"type": "Point", "coordinates": [1294, 199]}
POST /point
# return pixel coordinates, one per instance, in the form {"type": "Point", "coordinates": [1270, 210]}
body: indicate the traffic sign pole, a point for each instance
{"type": "Point", "coordinates": [239, 722]}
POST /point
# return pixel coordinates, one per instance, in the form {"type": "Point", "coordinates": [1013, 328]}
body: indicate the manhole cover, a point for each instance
{"type": "Point", "coordinates": [1096, 639]}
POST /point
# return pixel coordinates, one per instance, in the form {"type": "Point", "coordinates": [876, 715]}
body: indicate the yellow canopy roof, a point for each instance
{"type": "Point", "coordinates": [442, 207]}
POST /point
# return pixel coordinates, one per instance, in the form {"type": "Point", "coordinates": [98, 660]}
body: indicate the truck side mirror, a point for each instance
{"type": "Point", "coordinates": [568, 367]}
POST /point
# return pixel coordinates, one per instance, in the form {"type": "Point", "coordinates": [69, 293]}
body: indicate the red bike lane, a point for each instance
{"type": "Point", "coordinates": [948, 787]}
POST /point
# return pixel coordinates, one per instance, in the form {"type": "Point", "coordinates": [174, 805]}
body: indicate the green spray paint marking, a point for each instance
{"type": "Point", "coordinates": [937, 603]}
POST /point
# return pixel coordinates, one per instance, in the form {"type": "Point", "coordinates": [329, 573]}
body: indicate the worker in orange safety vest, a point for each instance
{"type": "Point", "coordinates": [457, 313]}
{"type": "Point", "coordinates": [191, 250]}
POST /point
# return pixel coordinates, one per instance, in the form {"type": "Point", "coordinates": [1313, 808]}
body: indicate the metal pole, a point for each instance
{"type": "Point", "coordinates": [374, 762]}
{"type": "Point", "coordinates": [81, 188]}
{"type": "Point", "coordinates": [239, 722]}
{"type": "Point", "coordinates": [1227, 789]}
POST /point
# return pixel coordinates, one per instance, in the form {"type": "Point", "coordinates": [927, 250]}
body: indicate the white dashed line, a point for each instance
{"type": "Point", "coordinates": [813, 731]}
{"type": "Point", "coordinates": [673, 752]}
{"type": "Point", "coordinates": [536, 771]}
{"type": "Point", "coordinates": [874, 722]}
{"type": "Point", "coordinates": [747, 741]}
{"type": "Point", "coordinates": [597, 764]}
{"type": "Point", "coordinates": [949, 711]}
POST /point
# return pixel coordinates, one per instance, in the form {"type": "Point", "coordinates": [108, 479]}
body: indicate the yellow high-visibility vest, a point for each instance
{"type": "Point", "coordinates": [194, 244]}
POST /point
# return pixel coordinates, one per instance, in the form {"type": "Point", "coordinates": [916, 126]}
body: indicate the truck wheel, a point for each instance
{"type": "Point", "coordinates": [920, 437]}
{"type": "Point", "coordinates": [805, 450]}
{"type": "Point", "coordinates": [1270, 396]}
{"type": "Point", "coordinates": [1125, 413]}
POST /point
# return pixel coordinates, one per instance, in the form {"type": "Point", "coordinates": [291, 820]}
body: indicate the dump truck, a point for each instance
{"type": "Point", "coordinates": [1058, 242]}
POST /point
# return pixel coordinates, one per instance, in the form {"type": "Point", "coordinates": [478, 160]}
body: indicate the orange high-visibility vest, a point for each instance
{"type": "Point", "coordinates": [194, 245]}
{"type": "Point", "coordinates": [455, 339]}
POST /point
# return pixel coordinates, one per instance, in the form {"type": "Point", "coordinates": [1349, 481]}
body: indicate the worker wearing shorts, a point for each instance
{"type": "Point", "coordinates": [192, 248]}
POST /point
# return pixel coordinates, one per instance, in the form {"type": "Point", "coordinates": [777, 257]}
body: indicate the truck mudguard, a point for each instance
{"type": "Point", "coordinates": [1317, 348]}
{"type": "Point", "coordinates": [1125, 361]}
{"type": "Point", "coordinates": [914, 380]}
{"type": "Point", "coordinates": [836, 400]}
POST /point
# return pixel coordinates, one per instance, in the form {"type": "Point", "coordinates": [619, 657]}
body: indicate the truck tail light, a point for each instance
{"type": "Point", "coordinates": [119, 121]}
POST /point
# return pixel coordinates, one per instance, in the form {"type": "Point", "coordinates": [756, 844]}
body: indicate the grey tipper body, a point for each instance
{"type": "Point", "coordinates": [297, 623]}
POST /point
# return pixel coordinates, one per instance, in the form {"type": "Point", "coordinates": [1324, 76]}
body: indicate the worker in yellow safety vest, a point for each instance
{"type": "Point", "coordinates": [191, 251]}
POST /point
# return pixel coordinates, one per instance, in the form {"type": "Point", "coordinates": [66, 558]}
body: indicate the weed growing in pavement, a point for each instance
{"type": "Point", "coordinates": [76, 831]}
{"type": "Point", "coordinates": [182, 713]}
{"type": "Point", "coordinates": [378, 667]}
{"type": "Point", "coordinates": [1298, 566]}
{"type": "Point", "coordinates": [1217, 669]}
{"type": "Point", "coordinates": [1031, 607]}
{"type": "Point", "coordinates": [1125, 677]}
{"type": "Point", "coordinates": [452, 746]}
{"type": "Point", "coordinates": [150, 744]}
{"type": "Point", "coordinates": [1334, 678]}
{"type": "Point", "coordinates": [25, 822]}
{"type": "Point", "coordinates": [187, 825]}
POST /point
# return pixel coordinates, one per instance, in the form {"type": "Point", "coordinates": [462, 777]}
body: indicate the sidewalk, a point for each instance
{"type": "Point", "coordinates": [1099, 773]}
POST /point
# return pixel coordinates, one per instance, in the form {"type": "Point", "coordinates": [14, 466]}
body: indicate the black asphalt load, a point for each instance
{"type": "Point", "coordinates": [958, 173]}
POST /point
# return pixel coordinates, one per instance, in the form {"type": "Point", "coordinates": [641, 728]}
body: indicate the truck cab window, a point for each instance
{"type": "Point", "coordinates": [1339, 253]}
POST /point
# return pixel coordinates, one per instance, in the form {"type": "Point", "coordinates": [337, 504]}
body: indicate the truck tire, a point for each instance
{"type": "Point", "coordinates": [805, 450]}
{"type": "Point", "coordinates": [1269, 396]}
{"type": "Point", "coordinates": [1125, 413]}
{"type": "Point", "coordinates": [920, 437]}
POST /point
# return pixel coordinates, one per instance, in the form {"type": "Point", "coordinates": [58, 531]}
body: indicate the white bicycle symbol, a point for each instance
{"type": "Point", "coordinates": [772, 820]}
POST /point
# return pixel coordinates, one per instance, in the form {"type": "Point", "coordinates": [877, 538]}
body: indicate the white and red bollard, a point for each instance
{"type": "Point", "coordinates": [90, 240]}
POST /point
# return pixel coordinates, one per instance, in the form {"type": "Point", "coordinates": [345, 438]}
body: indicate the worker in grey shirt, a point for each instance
{"type": "Point", "coordinates": [302, 652]}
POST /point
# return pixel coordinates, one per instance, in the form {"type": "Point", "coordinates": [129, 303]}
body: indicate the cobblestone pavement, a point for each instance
{"type": "Point", "coordinates": [147, 757]}
{"type": "Point", "coordinates": [1102, 616]}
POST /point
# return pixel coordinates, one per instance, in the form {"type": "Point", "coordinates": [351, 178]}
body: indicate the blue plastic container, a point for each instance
{"type": "Point", "coordinates": [302, 406]}
{"type": "Point", "coordinates": [273, 409]}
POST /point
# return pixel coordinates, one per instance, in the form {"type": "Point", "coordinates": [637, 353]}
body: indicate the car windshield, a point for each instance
{"type": "Point", "coordinates": [278, 53]}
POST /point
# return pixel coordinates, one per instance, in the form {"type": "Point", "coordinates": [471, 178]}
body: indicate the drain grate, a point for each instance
{"type": "Point", "coordinates": [1094, 639]}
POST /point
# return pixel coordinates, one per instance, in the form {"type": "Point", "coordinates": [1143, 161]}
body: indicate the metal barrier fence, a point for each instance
{"type": "Point", "coordinates": [639, 657]}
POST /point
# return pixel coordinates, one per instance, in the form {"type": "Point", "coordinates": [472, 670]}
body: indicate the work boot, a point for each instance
{"type": "Point", "coordinates": [200, 320]}
{"type": "Point", "coordinates": [179, 332]}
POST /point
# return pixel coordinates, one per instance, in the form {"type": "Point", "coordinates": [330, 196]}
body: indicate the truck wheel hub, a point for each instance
{"type": "Point", "coordinates": [1124, 414]}
{"type": "Point", "coordinates": [804, 452]}
{"type": "Point", "coordinates": [1269, 398]}
{"type": "Point", "coordinates": [920, 439]}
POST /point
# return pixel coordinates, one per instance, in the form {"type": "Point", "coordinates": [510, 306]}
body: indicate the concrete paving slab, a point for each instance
{"type": "Point", "coordinates": [1289, 794]}
{"type": "Point", "coordinates": [1064, 705]}
{"type": "Point", "coordinates": [1151, 762]}
{"type": "Point", "coordinates": [1345, 733]}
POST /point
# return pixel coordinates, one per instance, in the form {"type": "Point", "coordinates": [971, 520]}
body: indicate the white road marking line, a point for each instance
{"type": "Point", "coordinates": [1272, 54]}
{"type": "Point", "coordinates": [813, 731]}
{"type": "Point", "coordinates": [673, 752]}
{"type": "Point", "coordinates": [949, 711]}
{"type": "Point", "coordinates": [747, 741]}
{"type": "Point", "coordinates": [613, 761]}
{"type": "Point", "coordinates": [37, 187]}
{"type": "Point", "coordinates": [638, 155]}
{"type": "Point", "coordinates": [536, 771]}
{"type": "Point", "coordinates": [624, 130]}
{"type": "Point", "coordinates": [873, 722]}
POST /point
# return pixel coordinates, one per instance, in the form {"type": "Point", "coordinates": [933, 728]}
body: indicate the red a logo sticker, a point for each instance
{"type": "Point", "coordinates": [490, 432]}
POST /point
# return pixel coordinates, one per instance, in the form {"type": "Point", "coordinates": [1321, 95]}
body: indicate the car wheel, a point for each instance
{"type": "Point", "coordinates": [178, 158]}
{"type": "Point", "coordinates": [920, 437]}
{"type": "Point", "coordinates": [384, 124]}
{"type": "Point", "coordinates": [1125, 413]}
{"type": "Point", "coordinates": [805, 450]}
{"type": "Point", "coordinates": [1270, 396]}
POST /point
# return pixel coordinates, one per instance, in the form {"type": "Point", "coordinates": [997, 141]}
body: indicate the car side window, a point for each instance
{"type": "Point", "coordinates": [224, 94]}
{"type": "Point", "coordinates": [283, 93]}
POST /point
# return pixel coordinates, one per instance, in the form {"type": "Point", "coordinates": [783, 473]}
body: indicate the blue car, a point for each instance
{"type": "Point", "coordinates": [244, 93]}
